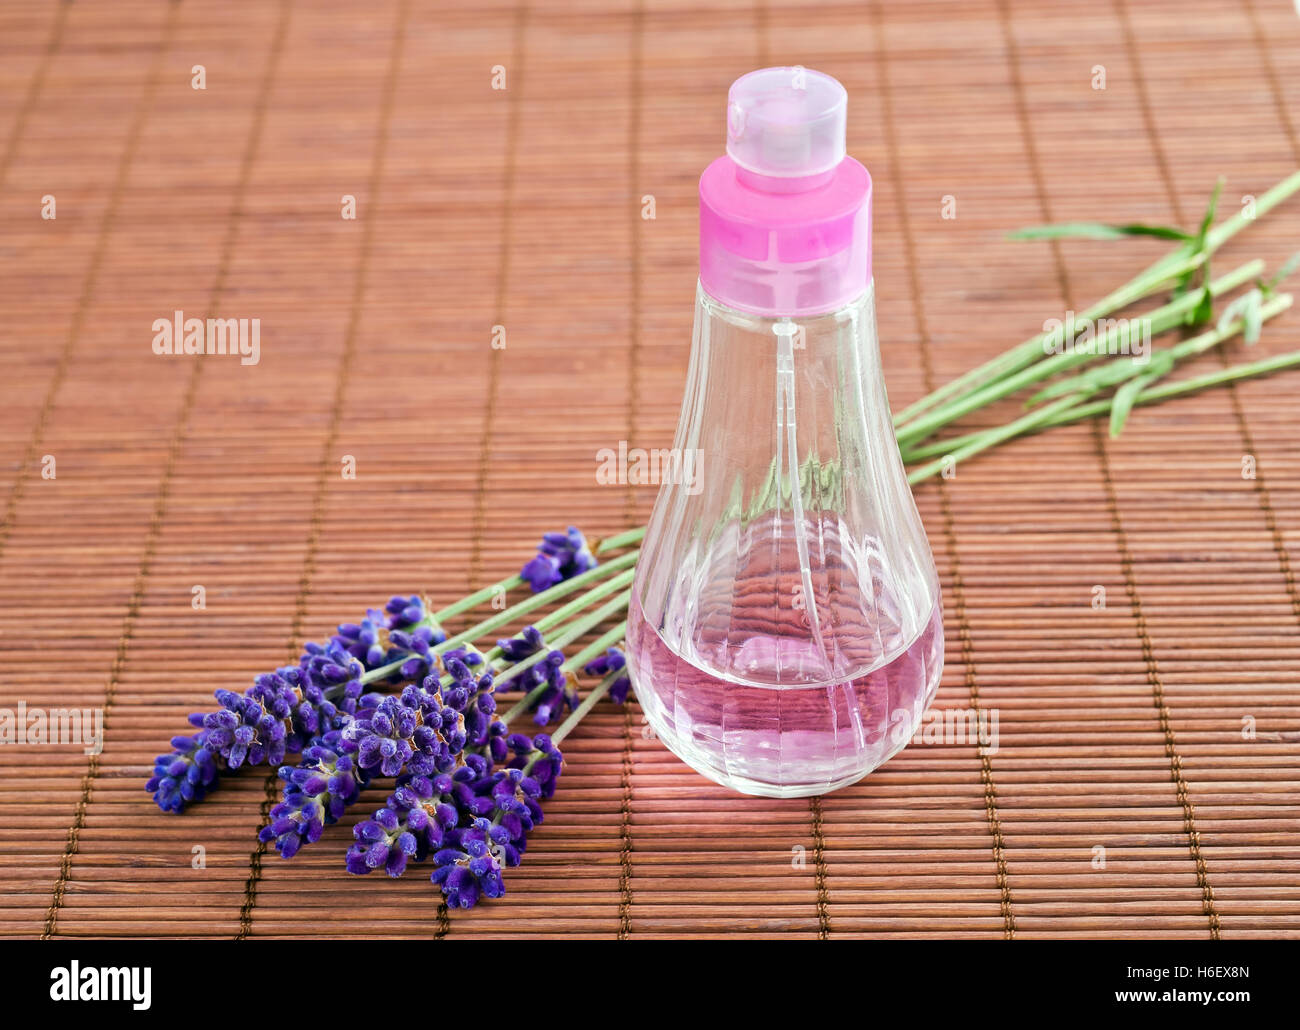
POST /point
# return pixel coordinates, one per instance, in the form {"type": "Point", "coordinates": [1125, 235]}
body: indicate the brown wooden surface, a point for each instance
{"type": "Point", "coordinates": [1120, 728]}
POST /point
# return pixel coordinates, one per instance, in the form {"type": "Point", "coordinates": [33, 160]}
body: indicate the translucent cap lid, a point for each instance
{"type": "Point", "coordinates": [786, 122]}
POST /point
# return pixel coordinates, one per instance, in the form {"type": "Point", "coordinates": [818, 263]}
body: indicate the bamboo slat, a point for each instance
{"type": "Point", "coordinates": [1123, 799]}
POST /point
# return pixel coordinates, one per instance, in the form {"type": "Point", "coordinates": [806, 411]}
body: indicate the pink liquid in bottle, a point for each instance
{"type": "Point", "coordinates": [751, 701]}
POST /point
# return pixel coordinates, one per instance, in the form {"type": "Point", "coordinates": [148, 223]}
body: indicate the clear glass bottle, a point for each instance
{"type": "Point", "coordinates": [785, 631]}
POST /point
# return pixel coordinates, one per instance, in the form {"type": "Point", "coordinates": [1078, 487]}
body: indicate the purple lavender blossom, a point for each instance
{"type": "Point", "coordinates": [317, 792]}
{"type": "Point", "coordinates": [365, 640]}
{"type": "Point", "coordinates": [610, 662]}
{"type": "Point", "coordinates": [560, 556]}
{"type": "Point", "coordinates": [467, 869]}
{"type": "Point", "coordinates": [469, 866]}
{"type": "Point", "coordinates": [285, 710]}
{"type": "Point", "coordinates": [551, 702]}
{"type": "Point", "coordinates": [411, 825]}
{"type": "Point", "coordinates": [243, 730]}
{"type": "Point", "coordinates": [188, 774]}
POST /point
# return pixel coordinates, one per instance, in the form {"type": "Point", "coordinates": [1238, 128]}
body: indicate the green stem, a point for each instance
{"type": "Point", "coordinates": [588, 703]}
{"type": "Point", "coordinates": [570, 634]}
{"type": "Point", "coordinates": [557, 617]}
{"type": "Point", "coordinates": [598, 646]}
{"type": "Point", "coordinates": [1112, 373]}
{"type": "Point", "coordinates": [1165, 317]}
{"type": "Point", "coordinates": [511, 582]}
{"type": "Point", "coordinates": [1026, 353]}
{"type": "Point", "coordinates": [991, 438]}
{"type": "Point", "coordinates": [1077, 388]}
{"type": "Point", "coordinates": [1223, 232]}
{"type": "Point", "coordinates": [502, 586]}
{"type": "Point", "coordinates": [562, 589]}
{"type": "Point", "coordinates": [1169, 267]}
{"type": "Point", "coordinates": [1164, 391]}
{"type": "Point", "coordinates": [610, 543]}
{"type": "Point", "coordinates": [1151, 395]}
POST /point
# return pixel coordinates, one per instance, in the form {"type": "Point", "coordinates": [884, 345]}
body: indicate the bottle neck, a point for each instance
{"type": "Point", "coordinates": [777, 184]}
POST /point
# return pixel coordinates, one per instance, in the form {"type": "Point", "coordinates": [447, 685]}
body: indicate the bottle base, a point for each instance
{"type": "Point", "coordinates": [697, 759]}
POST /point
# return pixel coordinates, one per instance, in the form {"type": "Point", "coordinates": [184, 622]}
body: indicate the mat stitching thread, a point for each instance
{"type": "Point", "coordinates": [1274, 83]}
{"type": "Point", "coordinates": [1149, 661]}
{"type": "Point", "coordinates": [1005, 897]}
{"type": "Point", "coordinates": [1266, 503]}
{"type": "Point", "coordinates": [478, 521]}
{"type": "Point", "coordinates": [320, 492]}
{"type": "Point", "coordinates": [72, 843]}
{"type": "Point", "coordinates": [625, 830]}
{"type": "Point", "coordinates": [633, 369]}
{"type": "Point", "coordinates": [34, 87]}
{"type": "Point", "coordinates": [819, 870]}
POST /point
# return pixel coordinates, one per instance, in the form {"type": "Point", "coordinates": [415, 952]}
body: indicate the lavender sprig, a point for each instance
{"type": "Point", "coordinates": [612, 663]}
{"type": "Point", "coordinates": [316, 793]}
{"type": "Point", "coordinates": [286, 710]}
{"type": "Point", "coordinates": [467, 791]}
{"type": "Point", "coordinates": [560, 556]}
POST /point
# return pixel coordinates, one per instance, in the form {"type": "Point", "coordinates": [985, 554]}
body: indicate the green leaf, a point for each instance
{"type": "Point", "coordinates": [1286, 271]}
{"type": "Point", "coordinates": [1122, 403]}
{"type": "Point", "coordinates": [1208, 220]}
{"type": "Point", "coordinates": [1096, 231]}
{"type": "Point", "coordinates": [1247, 307]}
{"type": "Point", "coordinates": [1205, 310]}
{"type": "Point", "coordinates": [1160, 363]}
{"type": "Point", "coordinates": [1203, 313]}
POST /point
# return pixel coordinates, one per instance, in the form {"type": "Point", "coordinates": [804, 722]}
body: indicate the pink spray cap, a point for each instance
{"type": "Point", "coordinates": [785, 216]}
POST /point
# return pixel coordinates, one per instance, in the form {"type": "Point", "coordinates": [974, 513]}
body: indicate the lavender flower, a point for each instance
{"type": "Point", "coordinates": [188, 774]}
{"type": "Point", "coordinates": [470, 863]}
{"type": "Point", "coordinates": [472, 815]}
{"type": "Point", "coordinates": [611, 662]}
{"type": "Point", "coordinates": [467, 792]}
{"type": "Point", "coordinates": [471, 694]}
{"type": "Point", "coordinates": [414, 822]}
{"type": "Point", "coordinates": [560, 556]}
{"type": "Point", "coordinates": [467, 869]}
{"type": "Point", "coordinates": [550, 702]}
{"type": "Point", "coordinates": [538, 757]}
{"type": "Point", "coordinates": [333, 669]}
{"type": "Point", "coordinates": [403, 630]}
{"type": "Point", "coordinates": [366, 640]}
{"type": "Point", "coordinates": [286, 709]}
{"type": "Point", "coordinates": [416, 732]}
{"type": "Point", "coordinates": [417, 646]}
{"type": "Point", "coordinates": [405, 612]}
{"type": "Point", "coordinates": [317, 792]}
{"type": "Point", "coordinates": [242, 729]}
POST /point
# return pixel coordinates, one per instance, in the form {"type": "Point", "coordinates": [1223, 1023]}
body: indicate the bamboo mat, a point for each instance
{"type": "Point", "coordinates": [1124, 799]}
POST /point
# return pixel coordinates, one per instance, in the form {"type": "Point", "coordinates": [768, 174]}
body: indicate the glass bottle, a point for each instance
{"type": "Point", "coordinates": [785, 632]}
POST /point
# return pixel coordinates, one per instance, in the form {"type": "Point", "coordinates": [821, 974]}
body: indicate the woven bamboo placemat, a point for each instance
{"type": "Point", "coordinates": [1124, 799]}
